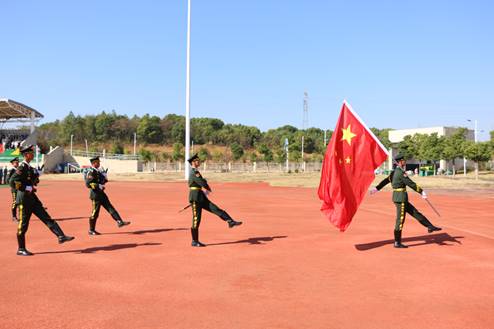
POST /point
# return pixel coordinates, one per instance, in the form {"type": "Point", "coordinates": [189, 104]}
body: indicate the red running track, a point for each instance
{"type": "Point", "coordinates": [286, 267]}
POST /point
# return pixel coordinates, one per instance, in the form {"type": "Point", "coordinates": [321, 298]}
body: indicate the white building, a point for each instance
{"type": "Point", "coordinates": [396, 136]}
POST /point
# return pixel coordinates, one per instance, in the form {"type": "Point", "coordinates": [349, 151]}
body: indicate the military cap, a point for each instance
{"type": "Point", "coordinates": [14, 159]}
{"type": "Point", "coordinates": [192, 158]}
{"type": "Point", "coordinates": [399, 157]}
{"type": "Point", "coordinates": [26, 149]}
{"type": "Point", "coordinates": [94, 159]}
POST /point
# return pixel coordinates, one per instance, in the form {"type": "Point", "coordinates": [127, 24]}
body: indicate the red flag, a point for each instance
{"type": "Point", "coordinates": [352, 155]}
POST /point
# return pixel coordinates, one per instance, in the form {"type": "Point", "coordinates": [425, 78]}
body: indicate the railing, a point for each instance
{"type": "Point", "coordinates": [210, 166]}
{"type": "Point", "coordinates": [105, 155]}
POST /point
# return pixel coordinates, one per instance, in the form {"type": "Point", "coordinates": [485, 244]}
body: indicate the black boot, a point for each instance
{"type": "Point", "coordinates": [398, 243]}
{"type": "Point", "coordinates": [195, 238]}
{"type": "Point", "coordinates": [121, 223]}
{"type": "Point", "coordinates": [433, 228]}
{"type": "Point", "coordinates": [57, 230]}
{"type": "Point", "coordinates": [65, 238]}
{"type": "Point", "coordinates": [92, 227]}
{"type": "Point", "coordinates": [232, 223]}
{"type": "Point", "coordinates": [22, 251]}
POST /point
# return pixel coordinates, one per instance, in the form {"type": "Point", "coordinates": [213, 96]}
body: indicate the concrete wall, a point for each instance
{"type": "Point", "coordinates": [113, 165]}
{"type": "Point", "coordinates": [53, 158]}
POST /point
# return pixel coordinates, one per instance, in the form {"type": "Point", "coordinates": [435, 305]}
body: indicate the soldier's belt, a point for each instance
{"type": "Point", "coordinates": [400, 189]}
{"type": "Point", "coordinates": [195, 188]}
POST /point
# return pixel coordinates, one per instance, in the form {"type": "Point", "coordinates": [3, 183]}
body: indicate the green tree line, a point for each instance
{"type": "Point", "coordinates": [432, 148]}
{"type": "Point", "coordinates": [243, 142]}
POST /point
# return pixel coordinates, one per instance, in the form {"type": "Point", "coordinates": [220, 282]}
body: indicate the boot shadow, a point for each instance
{"type": "Point", "coordinates": [156, 230]}
{"type": "Point", "coordinates": [101, 248]}
{"type": "Point", "coordinates": [251, 241]}
{"type": "Point", "coordinates": [442, 239]}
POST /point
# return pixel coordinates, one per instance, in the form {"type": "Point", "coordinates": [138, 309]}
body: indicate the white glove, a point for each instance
{"type": "Point", "coordinates": [206, 192]}
{"type": "Point", "coordinates": [29, 188]}
{"type": "Point", "coordinates": [424, 195]}
{"type": "Point", "coordinates": [373, 191]}
{"type": "Point", "coordinates": [101, 186]}
{"type": "Point", "coordinates": [104, 174]}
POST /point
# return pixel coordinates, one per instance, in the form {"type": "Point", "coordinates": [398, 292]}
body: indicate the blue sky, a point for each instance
{"type": "Point", "coordinates": [400, 64]}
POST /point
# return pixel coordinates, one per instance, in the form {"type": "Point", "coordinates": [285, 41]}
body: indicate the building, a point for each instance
{"type": "Point", "coordinates": [396, 136]}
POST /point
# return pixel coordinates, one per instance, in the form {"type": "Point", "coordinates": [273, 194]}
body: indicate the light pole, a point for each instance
{"type": "Point", "coordinates": [475, 140]}
{"type": "Point", "coordinates": [135, 142]}
{"type": "Point", "coordinates": [71, 140]}
{"type": "Point", "coordinates": [187, 98]}
{"type": "Point", "coordinates": [286, 150]}
{"type": "Point", "coordinates": [475, 130]}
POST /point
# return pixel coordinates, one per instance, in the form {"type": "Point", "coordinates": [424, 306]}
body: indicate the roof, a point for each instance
{"type": "Point", "coordinates": [10, 109]}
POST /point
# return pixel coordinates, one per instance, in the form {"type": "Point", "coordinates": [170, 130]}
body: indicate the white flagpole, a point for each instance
{"type": "Point", "coordinates": [187, 97]}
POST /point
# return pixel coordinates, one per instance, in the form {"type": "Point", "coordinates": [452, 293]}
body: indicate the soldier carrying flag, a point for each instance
{"type": "Point", "coordinates": [399, 180]}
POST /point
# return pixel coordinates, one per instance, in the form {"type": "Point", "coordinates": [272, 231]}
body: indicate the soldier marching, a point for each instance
{"type": "Point", "coordinates": [95, 182]}
{"type": "Point", "coordinates": [198, 199]}
{"type": "Point", "coordinates": [399, 181]}
{"type": "Point", "coordinates": [25, 180]}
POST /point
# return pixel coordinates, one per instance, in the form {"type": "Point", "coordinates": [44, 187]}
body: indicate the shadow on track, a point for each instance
{"type": "Point", "coordinates": [258, 240]}
{"type": "Point", "coordinates": [101, 248]}
{"type": "Point", "coordinates": [441, 239]}
{"type": "Point", "coordinates": [156, 230]}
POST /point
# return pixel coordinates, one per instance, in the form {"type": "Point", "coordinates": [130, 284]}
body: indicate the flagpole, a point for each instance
{"type": "Point", "coordinates": [187, 98]}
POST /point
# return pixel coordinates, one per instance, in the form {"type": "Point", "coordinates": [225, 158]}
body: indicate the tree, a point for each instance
{"type": "Point", "coordinates": [117, 148]}
{"type": "Point", "coordinates": [149, 129]}
{"type": "Point", "coordinates": [204, 154]}
{"type": "Point", "coordinates": [146, 155]}
{"type": "Point", "coordinates": [407, 147]}
{"type": "Point", "coordinates": [267, 155]}
{"type": "Point", "coordinates": [454, 146]}
{"type": "Point", "coordinates": [177, 153]}
{"type": "Point", "coordinates": [431, 148]}
{"type": "Point", "coordinates": [237, 151]}
{"type": "Point", "coordinates": [477, 152]}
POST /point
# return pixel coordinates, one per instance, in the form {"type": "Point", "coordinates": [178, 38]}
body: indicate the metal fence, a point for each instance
{"type": "Point", "coordinates": [209, 166]}
{"type": "Point", "coordinates": [105, 155]}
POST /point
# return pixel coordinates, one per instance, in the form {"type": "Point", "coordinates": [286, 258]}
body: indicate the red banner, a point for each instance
{"type": "Point", "coordinates": [352, 155]}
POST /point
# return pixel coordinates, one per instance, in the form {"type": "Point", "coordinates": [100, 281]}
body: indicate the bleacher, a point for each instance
{"type": "Point", "coordinates": [9, 154]}
{"type": "Point", "coordinates": [12, 137]}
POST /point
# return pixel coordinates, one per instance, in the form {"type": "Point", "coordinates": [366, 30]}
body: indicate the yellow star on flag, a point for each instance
{"type": "Point", "coordinates": [348, 135]}
{"type": "Point", "coordinates": [348, 159]}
